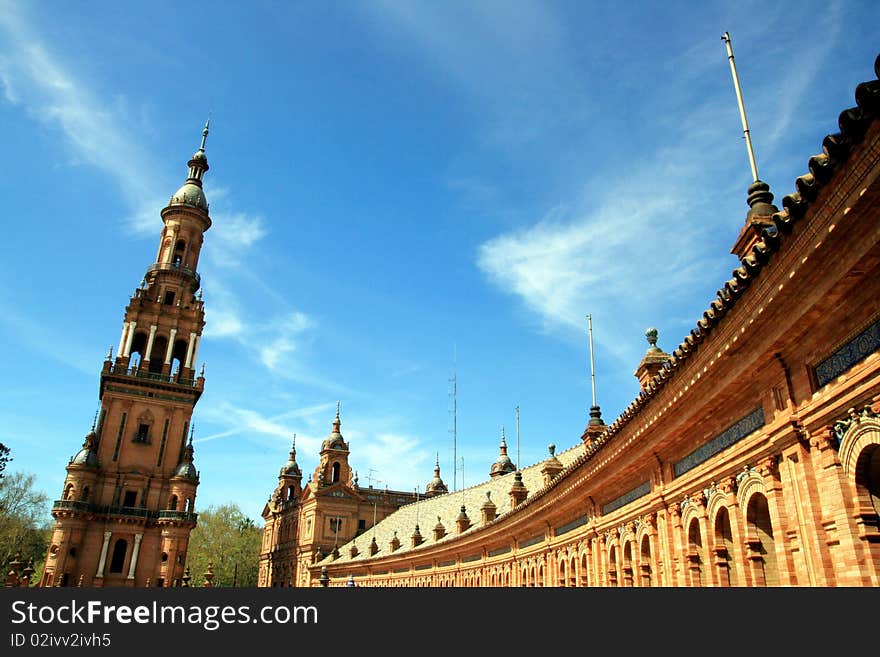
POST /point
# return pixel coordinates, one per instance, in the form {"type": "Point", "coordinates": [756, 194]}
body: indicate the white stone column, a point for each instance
{"type": "Point", "coordinates": [131, 328]}
{"type": "Point", "coordinates": [134, 555]}
{"type": "Point", "coordinates": [103, 560]}
{"type": "Point", "coordinates": [195, 358]}
{"type": "Point", "coordinates": [189, 351]}
{"type": "Point", "coordinates": [123, 339]}
{"type": "Point", "coordinates": [152, 337]}
{"type": "Point", "coordinates": [170, 351]}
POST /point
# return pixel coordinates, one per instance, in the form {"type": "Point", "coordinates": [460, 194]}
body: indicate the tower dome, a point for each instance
{"type": "Point", "coordinates": [291, 468]}
{"type": "Point", "coordinates": [87, 455]}
{"type": "Point", "coordinates": [335, 439]}
{"type": "Point", "coordinates": [436, 485]}
{"type": "Point", "coordinates": [502, 464]}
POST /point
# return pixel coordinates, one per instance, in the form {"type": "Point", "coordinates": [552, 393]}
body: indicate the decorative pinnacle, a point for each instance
{"type": "Point", "coordinates": [110, 353]}
{"type": "Point", "coordinates": [205, 133]}
{"type": "Point", "coordinates": [293, 447]}
{"type": "Point", "coordinates": [337, 409]}
{"type": "Point", "coordinates": [651, 336]}
{"type": "Point", "coordinates": [503, 441]}
{"type": "Point", "coordinates": [192, 431]}
{"type": "Point", "coordinates": [552, 449]}
{"type": "Point", "coordinates": [95, 420]}
{"type": "Point", "coordinates": [202, 373]}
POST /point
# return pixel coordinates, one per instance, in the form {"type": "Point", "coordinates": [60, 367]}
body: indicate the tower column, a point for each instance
{"type": "Point", "coordinates": [195, 358]}
{"type": "Point", "coordinates": [134, 555]}
{"type": "Point", "coordinates": [170, 351]}
{"type": "Point", "coordinates": [189, 350]}
{"type": "Point", "coordinates": [123, 340]}
{"type": "Point", "coordinates": [152, 337]}
{"type": "Point", "coordinates": [103, 560]}
{"type": "Point", "coordinates": [130, 338]}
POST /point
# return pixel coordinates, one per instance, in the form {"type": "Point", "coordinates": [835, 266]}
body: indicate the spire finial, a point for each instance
{"type": "Point", "coordinates": [337, 409]}
{"type": "Point", "coordinates": [192, 431]}
{"type": "Point", "coordinates": [503, 441]}
{"type": "Point", "coordinates": [293, 447]}
{"type": "Point", "coordinates": [95, 419]}
{"type": "Point", "coordinates": [205, 133]}
{"type": "Point", "coordinates": [202, 372]}
{"type": "Point", "coordinates": [110, 353]}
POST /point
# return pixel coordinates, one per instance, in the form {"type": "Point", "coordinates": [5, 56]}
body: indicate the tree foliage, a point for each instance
{"type": "Point", "coordinates": [228, 539]}
{"type": "Point", "coordinates": [4, 458]}
{"type": "Point", "coordinates": [25, 525]}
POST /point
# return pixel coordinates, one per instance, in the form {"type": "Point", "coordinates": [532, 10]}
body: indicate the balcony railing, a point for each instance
{"type": "Point", "coordinates": [171, 266]}
{"type": "Point", "coordinates": [126, 511]}
{"type": "Point", "coordinates": [152, 376]}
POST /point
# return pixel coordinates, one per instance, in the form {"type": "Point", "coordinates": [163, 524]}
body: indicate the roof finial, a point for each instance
{"type": "Point", "coordinates": [192, 431]}
{"type": "Point", "coordinates": [293, 447]}
{"type": "Point", "coordinates": [503, 441]}
{"type": "Point", "coordinates": [95, 420]}
{"type": "Point", "coordinates": [337, 408]}
{"type": "Point", "coordinates": [205, 133]}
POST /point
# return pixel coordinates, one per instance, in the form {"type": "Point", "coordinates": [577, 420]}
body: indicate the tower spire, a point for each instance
{"type": "Point", "coordinates": [205, 134]}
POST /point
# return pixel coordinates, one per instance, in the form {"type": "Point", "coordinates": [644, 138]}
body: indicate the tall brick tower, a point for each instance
{"type": "Point", "coordinates": [128, 502]}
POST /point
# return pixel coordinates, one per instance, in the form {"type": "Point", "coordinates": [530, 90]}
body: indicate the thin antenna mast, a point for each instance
{"type": "Point", "coordinates": [742, 110]}
{"type": "Point", "coordinates": [517, 438]}
{"type": "Point", "coordinates": [454, 381]}
{"type": "Point", "coordinates": [592, 363]}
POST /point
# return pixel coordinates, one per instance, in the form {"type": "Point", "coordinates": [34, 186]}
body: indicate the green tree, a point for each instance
{"type": "Point", "coordinates": [25, 524]}
{"type": "Point", "coordinates": [228, 539]}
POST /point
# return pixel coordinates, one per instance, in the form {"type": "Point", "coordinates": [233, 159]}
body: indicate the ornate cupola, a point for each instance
{"type": "Point", "coordinates": [291, 470]}
{"type": "Point", "coordinates": [518, 491]}
{"type": "Point", "coordinates": [653, 360]}
{"type": "Point", "coordinates": [488, 509]}
{"type": "Point", "coordinates": [436, 486]}
{"type": "Point", "coordinates": [552, 466]}
{"type": "Point", "coordinates": [333, 465]}
{"type": "Point", "coordinates": [502, 464]}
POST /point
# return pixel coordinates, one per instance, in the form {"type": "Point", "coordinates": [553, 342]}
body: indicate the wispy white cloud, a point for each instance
{"type": "Point", "coordinates": [243, 421]}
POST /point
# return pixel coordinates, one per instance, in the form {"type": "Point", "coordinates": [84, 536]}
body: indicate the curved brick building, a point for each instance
{"type": "Point", "coordinates": [751, 456]}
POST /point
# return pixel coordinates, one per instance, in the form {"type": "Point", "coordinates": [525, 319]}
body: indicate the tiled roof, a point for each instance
{"type": "Point", "coordinates": [447, 507]}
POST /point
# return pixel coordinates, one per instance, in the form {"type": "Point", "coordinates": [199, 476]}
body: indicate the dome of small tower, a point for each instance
{"type": "Point", "coordinates": [186, 468]}
{"type": "Point", "coordinates": [190, 194]}
{"type": "Point", "coordinates": [291, 468]}
{"type": "Point", "coordinates": [87, 455]}
{"type": "Point", "coordinates": [436, 485]}
{"type": "Point", "coordinates": [335, 439]}
{"type": "Point", "coordinates": [502, 464]}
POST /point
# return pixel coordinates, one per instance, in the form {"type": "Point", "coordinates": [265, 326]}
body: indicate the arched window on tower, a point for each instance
{"type": "Point", "coordinates": [334, 475]}
{"type": "Point", "coordinates": [118, 560]}
{"type": "Point", "coordinates": [68, 492]}
{"type": "Point", "coordinates": [179, 252]}
{"type": "Point", "coordinates": [138, 347]}
{"type": "Point", "coordinates": [172, 503]}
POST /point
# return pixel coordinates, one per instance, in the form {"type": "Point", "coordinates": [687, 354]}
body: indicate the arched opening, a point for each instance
{"type": "Point", "coordinates": [178, 355]}
{"type": "Point", "coordinates": [157, 355]}
{"type": "Point", "coordinates": [118, 559]}
{"type": "Point", "coordinates": [334, 473]}
{"type": "Point", "coordinates": [533, 578]}
{"type": "Point", "coordinates": [562, 581]}
{"type": "Point", "coordinates": [868, 477]}
{"type": "Point", "coordinates": [541, 581]}
{"type": "Point", "coordinates": [612, 566]}
{"type": "Point", "coordinates": [524, 580]}
{"type": "Point", "coordinates": [762, 548]}
{"type": "Point", "coordinates": [645, 561]}
{"type": "Point", "coordinates": [724, 562]}
{"type": "Point", "coordinates": [572, 572]}
{"type": "Point", "coordinates": [289, 493]}
{"type": "Point", "coordinates": [84, 495]}
{"type": "Point", "coordinates": [138, 347]}
{"type": "Point", "coordinates": [585, 570]}
{"type": "Point", "coordinates": [627, 564]}
{"type": "Point", "coordinates": [68, 492]}
{"type": "Point", "coordinates": [695, 553]}
{"type": "Point", "coordinates": [172, 503]}
{"type": "Point", "coordinates": [188, 507]}
{"type": "Point", "coordinates": [179, 252]}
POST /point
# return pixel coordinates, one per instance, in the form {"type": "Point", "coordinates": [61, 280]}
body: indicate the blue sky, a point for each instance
{"type": "Point", "coordinates": [400, 191]}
